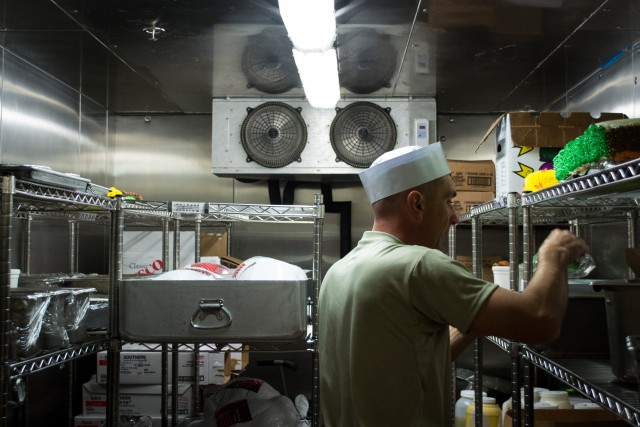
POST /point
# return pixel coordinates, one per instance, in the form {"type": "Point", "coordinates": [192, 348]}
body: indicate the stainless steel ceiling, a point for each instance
{"type": "Point", "coordinates": [484, 56]}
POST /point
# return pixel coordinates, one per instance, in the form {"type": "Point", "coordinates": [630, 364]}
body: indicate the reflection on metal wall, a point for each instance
{"type": "Point", "coordinates": [611, 89]}
{"type": "Point", "coordinates": [167, 158]}
{"type": "Point", "coordinates": [39, 118]}
{"type": "Point", "coordinates": [41, 123]}
{"type": "Point", "coordinates": [48, 122]}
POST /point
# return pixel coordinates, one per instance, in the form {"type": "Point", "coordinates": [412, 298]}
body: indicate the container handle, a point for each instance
{"type": "Point", "coordinates": [211, 314]}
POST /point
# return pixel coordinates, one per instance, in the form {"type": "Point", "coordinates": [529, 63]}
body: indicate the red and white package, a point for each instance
{"type": "Point", "coordinates": [218, 270]}
{"type": "Point", "coordinates": [197, 271]}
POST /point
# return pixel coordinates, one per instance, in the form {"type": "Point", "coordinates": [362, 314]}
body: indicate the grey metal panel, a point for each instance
{"type": "Point", "coordinates": [39, 118]}
{"type": "Point", "coordinates": [34, 15]}
{"type": "Point", "coordinates": [167, 158]}
{"type": "Point", "coordinates": [56, 52]}
{"type": "Point", "coordinates": [93, 146]}
{"type": "Point", "coordinates": [95, 70]}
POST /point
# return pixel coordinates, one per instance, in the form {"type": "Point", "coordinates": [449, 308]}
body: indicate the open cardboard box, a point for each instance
{"type": "Point", "coordinates": [527, 141]}
{"type": "Point", "coordinates": [569, 418]}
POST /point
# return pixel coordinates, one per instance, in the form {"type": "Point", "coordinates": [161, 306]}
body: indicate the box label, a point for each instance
{"type": "Point", "coordinates": [473, 175]}
{"type": "Point", "coordinates": [134, 399]}
{"type": "Point", "coordinates": [145, 367]}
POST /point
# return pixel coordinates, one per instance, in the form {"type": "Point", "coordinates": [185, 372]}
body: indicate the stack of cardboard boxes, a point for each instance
{"type": "Point", "coordinates": [140, 388]}
{"type": "Point", "coordinates": [475, 185]}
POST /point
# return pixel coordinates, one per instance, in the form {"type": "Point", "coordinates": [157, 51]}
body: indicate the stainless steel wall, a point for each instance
{"type": "Point", "coordinates": [47, 118]}
{"type": "Point", "coordinates": [47, 122]}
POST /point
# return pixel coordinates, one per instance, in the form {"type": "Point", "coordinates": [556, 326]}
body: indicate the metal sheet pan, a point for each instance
{"type": "Point", "coordinates": [44, 175]}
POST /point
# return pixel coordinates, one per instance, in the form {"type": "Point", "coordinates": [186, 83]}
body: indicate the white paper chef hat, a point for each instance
{"type": "Point", "coordinates": [403, 168]}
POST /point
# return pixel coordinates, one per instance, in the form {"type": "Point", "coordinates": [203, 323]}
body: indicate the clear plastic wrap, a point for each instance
{"type": "Point", "coordinates": [53, 333]}
{"type": "Point", "coordinates": [97, 317]}
{"type": "Point", "coordinates": [75, 312]}
{"type": "Point", "coordinates": [135, 421]}
{"type": "Point", "coordinates": [28, 307]}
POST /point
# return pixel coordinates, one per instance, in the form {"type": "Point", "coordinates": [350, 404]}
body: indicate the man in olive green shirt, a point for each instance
{"type": "Point", "coordinates": [391, 311]}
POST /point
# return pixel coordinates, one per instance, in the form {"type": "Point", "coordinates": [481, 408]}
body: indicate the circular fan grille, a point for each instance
{"type": "Point", "coordinates": [273, 134]}
{"type": "Point", "coordinates": [367, 61]}
{"type": "Point", "coordinates": [267, 62]}
{"type": "Point", "coordinates": [361, 132]}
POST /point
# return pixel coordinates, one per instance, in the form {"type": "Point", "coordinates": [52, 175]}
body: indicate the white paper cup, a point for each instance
{"type": "Point", "coordinates": [501, 276]}
{"type": "Point", "coordinates": [15, 275]}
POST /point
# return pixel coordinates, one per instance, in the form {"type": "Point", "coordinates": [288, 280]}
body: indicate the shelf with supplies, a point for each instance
{"type": "Point", "coordinates": [608, 195]}
{"type": "Point", "coordinates": [37, 192]}
{"type": "Point", "coordinates": [594, 379]}
{"type": "Point", "coordinates": [253, 315]}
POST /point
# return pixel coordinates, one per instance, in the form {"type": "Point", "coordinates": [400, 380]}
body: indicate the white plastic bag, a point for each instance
{"type": "Point", "coordinates": [252, 403]}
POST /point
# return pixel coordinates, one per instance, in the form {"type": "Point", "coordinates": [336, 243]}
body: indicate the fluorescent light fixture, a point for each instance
{"type": "Point", "coordinates": [319, 75]}
{"type": "Point", "coordinates": [311, 24]}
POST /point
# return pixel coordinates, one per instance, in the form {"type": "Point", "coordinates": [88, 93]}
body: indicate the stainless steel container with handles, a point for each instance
{"type": "Point", "coordinates": [622, 303]}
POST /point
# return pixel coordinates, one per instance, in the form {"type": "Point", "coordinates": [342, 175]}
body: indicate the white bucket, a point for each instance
{"type": "Point", "coordinates": [501, 275]}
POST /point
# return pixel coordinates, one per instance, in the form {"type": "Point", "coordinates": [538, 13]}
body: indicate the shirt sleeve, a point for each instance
{"type": "Point", "coordinates": [445, 292]}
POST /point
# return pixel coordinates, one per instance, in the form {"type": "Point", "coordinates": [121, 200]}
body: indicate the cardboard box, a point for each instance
{"type": "Point", "coordinates": [213, 243]}
{"type": "Point", "coordinates": [143, 249]}
{"type": "Point", "coordinates": [473, 175]}
{"type": "Point", "coordinates": [464, 200]}
{"type": "Point", "coordinates": [101, 420]}
{"type": "Point", "coordinates": [135, 399]}
{"type": "Point", "coordinates": [234, 361]}
{"type": "Point", "coordinates": [569, 417]}
{"type": "Point", "coordinates": [145, 367]}
{"type": "Point", "coordinates": [525, 142]}
{"type": "Point", "coordinates": [487, 263]}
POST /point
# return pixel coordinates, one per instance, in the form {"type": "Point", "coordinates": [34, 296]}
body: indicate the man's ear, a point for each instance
{"type": "Point", "coordinates": [416, 203]}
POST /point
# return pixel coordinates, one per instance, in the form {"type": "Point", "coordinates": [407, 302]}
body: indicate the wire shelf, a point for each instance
{"type": "Point", "coordinates": [49, 359]}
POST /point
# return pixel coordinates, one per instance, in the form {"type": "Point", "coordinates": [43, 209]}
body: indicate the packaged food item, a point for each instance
{"type": "Point", "coordinates": [265, 268]}
{"type": "Point", "coordinates": [491, 414]}
{"type": "Point", "coordinates": [558, 397]}
{"type": "Point", "coordinates": [466, 398]}
{"type": "Point", "coordinates": [197, 271]}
